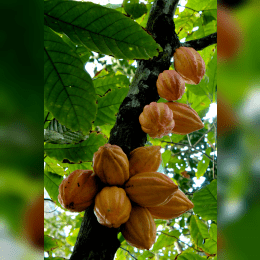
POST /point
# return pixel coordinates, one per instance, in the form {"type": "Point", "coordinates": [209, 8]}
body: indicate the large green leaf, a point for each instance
{"type": "Point", "coordinates": [69, 93]}
{"type": "Point", "coordinates": [198, 230]}
{"type": "Point", "coordinates": [108, 106]}
{"type": "Point", "coordinates": [101, 29]}
{"type": "Point", "coordinates": [166, 239]}
{"type": "Point", "coordinates": [205, 201]}
{"type": "Point", "coordinates": [76, 153]}
{"type": "Point", "coordinates": [110, 81]}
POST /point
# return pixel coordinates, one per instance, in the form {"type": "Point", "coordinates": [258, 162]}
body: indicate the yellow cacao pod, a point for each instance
{"type": "Point", "coordinates": [177, 205]}
{"type": "Point", "coordinates": [78, 190]}
{"type": "Point", "coordinates": [140, 230]}
{"type": "Point", "coordinates": [186, 119]}
{"type": "Point", "coordinates": [111, 165]}
{"type": "Point", "coordinates": [144, 159]}
{"type": "Point", "coordinates": [170, 85]}
{"type": "Point", "coordinates": [156, 120]}
{"type": "Point", "coordinates": [150, 189]}
{"type": "Point", "coordinates": [112, 207]}
{"type": "Point", "coordinates": [189, 64]}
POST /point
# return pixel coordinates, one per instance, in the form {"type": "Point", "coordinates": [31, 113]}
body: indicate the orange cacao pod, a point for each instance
{"type": "Point", "coordinates": [177, 205]}
{"type": "Point", "coordinates": [144, 159]}
{"type": "Point", "coordinates": [111, 165]}
{"type": "Point", "coordinates": [150, 189]}
{"type": "Point", "coordinates": [170, 85]}
{"type": "Point", "coordinates": [186, 119]}
{"type": "Point", "coordinates": [112, 207]}
{"type": "Point", "coordinates": [77, 191]}
{"type": "Point", "coordinates": [140, 229]}
{"type": "Point", "coordinates": [156, 120]}
{"type": "Point", "coordinates": [189, 64]}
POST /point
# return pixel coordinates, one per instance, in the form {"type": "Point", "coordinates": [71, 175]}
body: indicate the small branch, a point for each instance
{"type": "Point", "coordinates": [189, 8]}
{"type": "Point", "coordinates": [202, 136]}
{"type": "Point", "coordinates": [188, 137]}
{"type": "Point", "coordinates": [202, 43]}
{"type": "Point", "coordinates": [179, 240]}
{"type": "Point", "coordinates": [128, 252]}
{"type": "Point", "coordinates": [46, 118]}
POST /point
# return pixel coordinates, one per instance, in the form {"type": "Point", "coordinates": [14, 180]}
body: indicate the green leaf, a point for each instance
{"type": "Point", "coordinates": [50, 243]}
{"type": "Point", "coordinates": [203, 164]}
{"type": "Point", "coordinates": [51, 184]}
{"type": "Point", "coordinates": [52, 165]}
{"type": "Point", "coordinates": [69, 93]}
{"type": "Point", "coordinates": [77, 166]}
{"type": "Point", "coordinates": [205, 201]}
{"type": "Point", "coordinates": [71, 239]}
{"type": "Point", "coordinates": [212, 75]}
{"type": "Point", "coordinates": [198, 230]}
{"type": "Point", "coordinates": [190, 256]}
{"type": "Point", "coordinates": [210, 246]}
{"type": "Point", "coordinates": [100, 29]}
{"type": "Point", "coordinates": [134, 8]}
{"type": "Point", "coordinates": [166, 156]}
{"type": "Point", "coordinates": [76, 153]}
{"type": "Point", "coordinates": [103, 84]}
{"type": "Point", "coordinates": [108, 106]}
{"type": "Point", "coordinates": [166, 239]}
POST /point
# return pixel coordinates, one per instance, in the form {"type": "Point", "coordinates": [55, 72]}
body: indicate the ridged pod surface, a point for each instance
{"type": "Point", "coordinates": [144, 159]}
{"type": "Point", "coordinates": [112, 207]}
{"type": "Point", "coordinates": [170, 85]}
{"type": "Point", "coordinates": [150, 189]}
{"type": "Point", "coordinates": [189, 64]}
{"type": "Point", "coordinates": [111, 165]}
{"type": "Point", "coordinates": [140, 230]}
{"type": "Point", "coordinates": [186, 119]}
{"type": "Point", "coordinates": [177, 205]}
{"type": "Point", "coordinates": [156, 120]}
{"type": "Point", "coordinates": [78, 190]}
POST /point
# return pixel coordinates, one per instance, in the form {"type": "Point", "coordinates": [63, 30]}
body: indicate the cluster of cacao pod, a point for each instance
{"type": "Point", "coordinates": [132, 193]}
{"type": "Point", "coordinates": [159, 119]}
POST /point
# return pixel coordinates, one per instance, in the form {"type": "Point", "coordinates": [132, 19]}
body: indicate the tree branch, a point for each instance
{"type": "Point", "coordinates": [201, 43]}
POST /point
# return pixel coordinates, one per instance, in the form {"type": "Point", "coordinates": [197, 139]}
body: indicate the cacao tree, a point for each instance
{"type": "Point", "coordinates": [101, 64]}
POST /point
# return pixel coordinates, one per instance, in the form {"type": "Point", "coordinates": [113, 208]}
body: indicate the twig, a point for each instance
{"type": "Point", "coordinates": [179, 240]}
{"type": "Point", "coordinates": [188, 137]}
{"type": "Point", "coordinates": [128, 252]}
{"type": "Point", "coordinates": [203, 136]}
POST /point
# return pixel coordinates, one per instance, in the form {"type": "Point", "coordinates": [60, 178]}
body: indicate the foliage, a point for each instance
{"type": "Point", "coordinates": [80, 111]}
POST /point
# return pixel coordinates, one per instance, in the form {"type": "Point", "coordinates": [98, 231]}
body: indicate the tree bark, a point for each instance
{"type": "Point", "coordinates": [96, 242]}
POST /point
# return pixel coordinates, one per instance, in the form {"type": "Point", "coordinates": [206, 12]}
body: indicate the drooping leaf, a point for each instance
{"type": "Point", "coordinates": [134, 8]}
{"type": "Point", "coordinates": [203, 164]}
{"type": "Point", "coordinates": [205, 201]}
{"type": "Point", "coordinates": [71, 239]}
{"type": "Point", "coordinates": [60, 134]}
{"type": "Point", "coordinates": [51, 184]}
{"type": "Point", "coordinates": [198, 230]}
{"type": "Point", "coordinates": [101, 29]}
{"type": "Point", "coordinates": [76, 153]}
{"type": "Point", "coordinates": [69, 93]}
{"type": "Point", "coordinates": [166, 156]}
{"type": "Point", "coordinates": [166, 239]}
{"type": "Point", "coordinates": [108, 106]}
